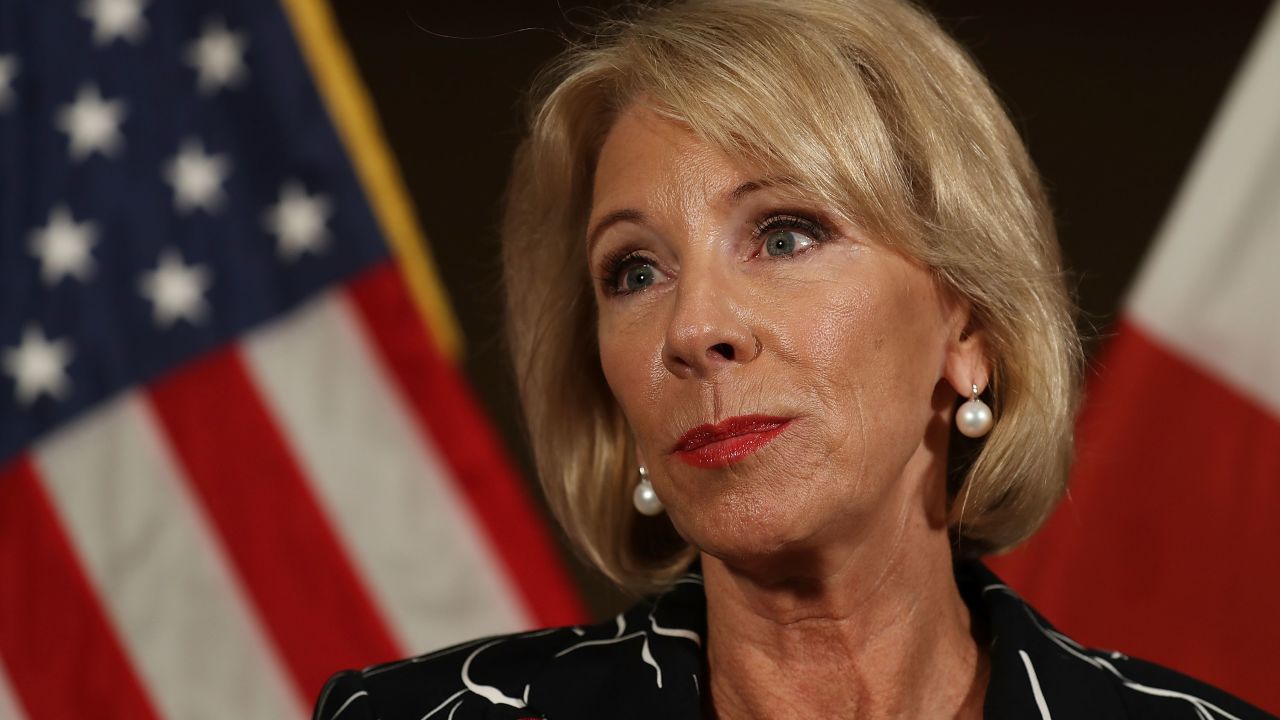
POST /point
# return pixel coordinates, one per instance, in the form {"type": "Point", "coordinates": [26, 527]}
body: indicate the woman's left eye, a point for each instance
{"type": "Point", "coordinates": [786, 242]}
{"type": "Point", "coordinates": [787, 235]}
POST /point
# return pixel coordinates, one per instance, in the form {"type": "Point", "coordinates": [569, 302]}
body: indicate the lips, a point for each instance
{"type": "Point", "coordinates": [729, 441]}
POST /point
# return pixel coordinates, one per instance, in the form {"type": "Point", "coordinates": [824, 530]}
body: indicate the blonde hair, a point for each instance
{"type": "Point", "coordinates": [866, 105]}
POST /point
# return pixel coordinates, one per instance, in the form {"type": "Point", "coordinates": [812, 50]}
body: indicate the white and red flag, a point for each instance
{"type": "Point", "coordinates": [1167, 546]}
{"type": "Point", "coordinates": [236, 454]}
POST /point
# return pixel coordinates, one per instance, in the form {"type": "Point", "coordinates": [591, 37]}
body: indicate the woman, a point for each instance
{"type": "Point", "coordinates": [794, 348]}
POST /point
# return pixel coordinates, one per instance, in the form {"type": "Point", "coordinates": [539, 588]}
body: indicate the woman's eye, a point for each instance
{"type": "Point", "coordinates": [786, 242]}
{"type": "Point", "coordinates": [638, 276]}
{"type": "Point", "coordinates": [629, 274]}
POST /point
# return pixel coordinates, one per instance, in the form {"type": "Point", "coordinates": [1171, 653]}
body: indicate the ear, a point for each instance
{"type": "Point", "coordinates": [966, 363]}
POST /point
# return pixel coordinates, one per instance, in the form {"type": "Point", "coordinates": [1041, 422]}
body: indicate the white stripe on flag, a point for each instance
{"type": "Point", "coordinates": [391, 497]}
{"type": "Point", "coordinates": [163, 580]}
{"type": "Point", "coordinates": [9, 707]}
{"type": "Point", "coordinates": [1209, 287]}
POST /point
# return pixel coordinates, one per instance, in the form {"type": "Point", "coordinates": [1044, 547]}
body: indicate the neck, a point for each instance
{"type": "Point", "coordinates": [876, 630]}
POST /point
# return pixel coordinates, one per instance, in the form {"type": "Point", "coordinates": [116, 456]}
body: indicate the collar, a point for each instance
{"type": "Point", "coordinates": [650, 660]}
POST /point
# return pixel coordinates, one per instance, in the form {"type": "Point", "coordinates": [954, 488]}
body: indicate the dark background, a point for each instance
{"type": "Point", "coordinates": [1112, 101]}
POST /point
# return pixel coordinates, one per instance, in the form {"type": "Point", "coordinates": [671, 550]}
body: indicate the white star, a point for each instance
{"type": "Point", "coordinates": [197, 178]}
{"type": "Point", "coordinates": [93, 124]}
{"type": "Point", "coordinates": [298, 221]}
{"type": "Point", "coordinates": [176, 290]}
{"type": "Point", "coordinates": [218, 57]}
{"type": "Point", "coordinates": [114, 19]}
{"type": "Point", "coordinates": [63, 247]}
{"type": "Point", "coordinates": [39, 367]}
{"type": "Point", "coordinates": [8, 68]}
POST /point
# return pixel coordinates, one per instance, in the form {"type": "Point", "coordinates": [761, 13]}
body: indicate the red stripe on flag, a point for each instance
{"type": "Point", "coordinates": [290, 560]}
{"type": "Point", "coordinates": [1166, 547]}
{"type": "Point", "coordinates": [453, 423]}
{"type": "Point", "coordinates": [60, 650]}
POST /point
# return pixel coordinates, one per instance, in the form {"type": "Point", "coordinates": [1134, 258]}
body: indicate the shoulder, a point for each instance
{"type": "Point", "coordinates": [1151, 689]}
{"type": "Point", "coordinates": [1038, 671]}
{"type": "Point", "coordinates": [496, 669]}
{"type": "Point", "coordinates": [642, 662]}
{"type": "Point", "coordinates": [1070, 680]}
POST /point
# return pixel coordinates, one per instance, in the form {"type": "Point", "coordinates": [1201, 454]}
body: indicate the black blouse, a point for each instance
{"type": "Point", "coordinates": [649, 663]}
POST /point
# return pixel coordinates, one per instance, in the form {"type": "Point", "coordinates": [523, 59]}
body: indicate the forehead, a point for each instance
{"type": "Point", "coordinates": [648, 159]}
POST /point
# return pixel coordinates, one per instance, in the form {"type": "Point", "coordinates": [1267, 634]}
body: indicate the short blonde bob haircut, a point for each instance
{"type": "Point", "coordinates": [865, 105]}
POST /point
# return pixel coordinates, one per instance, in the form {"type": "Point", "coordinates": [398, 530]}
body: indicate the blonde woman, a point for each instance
{"type": "Point", "coordinates": [787, 315]}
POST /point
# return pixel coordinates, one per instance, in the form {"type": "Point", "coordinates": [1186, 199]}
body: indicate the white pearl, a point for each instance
{"type": "Point", "coordinates": [646, 500]}
{"type": "Point", "coordinates": [974, 419]}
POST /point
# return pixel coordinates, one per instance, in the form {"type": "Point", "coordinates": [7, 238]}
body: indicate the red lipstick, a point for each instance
{"type": "Point", "coordinates": [710, 446]}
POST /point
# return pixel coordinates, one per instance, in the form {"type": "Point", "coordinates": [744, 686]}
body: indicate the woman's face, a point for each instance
{"type": "Point", "coordinates": [722, 295]}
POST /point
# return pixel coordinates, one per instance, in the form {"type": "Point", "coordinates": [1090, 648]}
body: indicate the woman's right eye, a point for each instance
{"type": "Point", "coordinates": [630, 274]}
{"type": "Point", "coordinates": [638, 276]}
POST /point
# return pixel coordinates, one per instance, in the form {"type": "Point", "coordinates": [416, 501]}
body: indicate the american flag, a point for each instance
{"type": "Point", "coordinates": [235, 452]}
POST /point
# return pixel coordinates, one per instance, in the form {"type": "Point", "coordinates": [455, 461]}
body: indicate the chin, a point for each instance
{"type": "Point", "coordinates": [760, 508]}
{"type": "Point", "coordinates": [743, 525]}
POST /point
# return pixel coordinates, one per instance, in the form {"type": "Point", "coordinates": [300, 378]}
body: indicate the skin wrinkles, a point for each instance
{"type": "Point", "coordinates": [825, 553]}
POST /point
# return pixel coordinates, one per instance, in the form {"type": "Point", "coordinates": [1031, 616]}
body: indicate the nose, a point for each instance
{"type": "Point", "coordinates": [707, 333]}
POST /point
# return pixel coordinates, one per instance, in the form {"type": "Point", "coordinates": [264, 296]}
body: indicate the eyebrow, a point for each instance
{"type": "Point", "coordinates": [613, 218]}
{"type": "Point", "coordinates": [749, 187]}
{"type": "Point", "coordinates": [635, 216]}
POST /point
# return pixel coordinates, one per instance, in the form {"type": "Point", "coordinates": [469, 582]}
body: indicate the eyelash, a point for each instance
{"type": "Point", "coordinates": [622, 258]}
{"type": "Point", "coordinates": [794, 221]}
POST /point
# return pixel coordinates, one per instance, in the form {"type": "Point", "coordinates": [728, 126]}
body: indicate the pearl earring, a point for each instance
{"type": "Point", "coordinates": [974, 417]}
{"type": "Point", "coordinates": [645, 499]}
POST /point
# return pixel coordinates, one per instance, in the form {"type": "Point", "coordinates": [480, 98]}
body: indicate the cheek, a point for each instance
{"type": "Point", "coordinates": [630, 357]}
{"type": "Point", "coordinates": [871, 353]}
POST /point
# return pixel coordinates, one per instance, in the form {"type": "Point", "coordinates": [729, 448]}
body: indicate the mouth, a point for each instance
{"type": "Point", "coordinates": [710, 446]}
